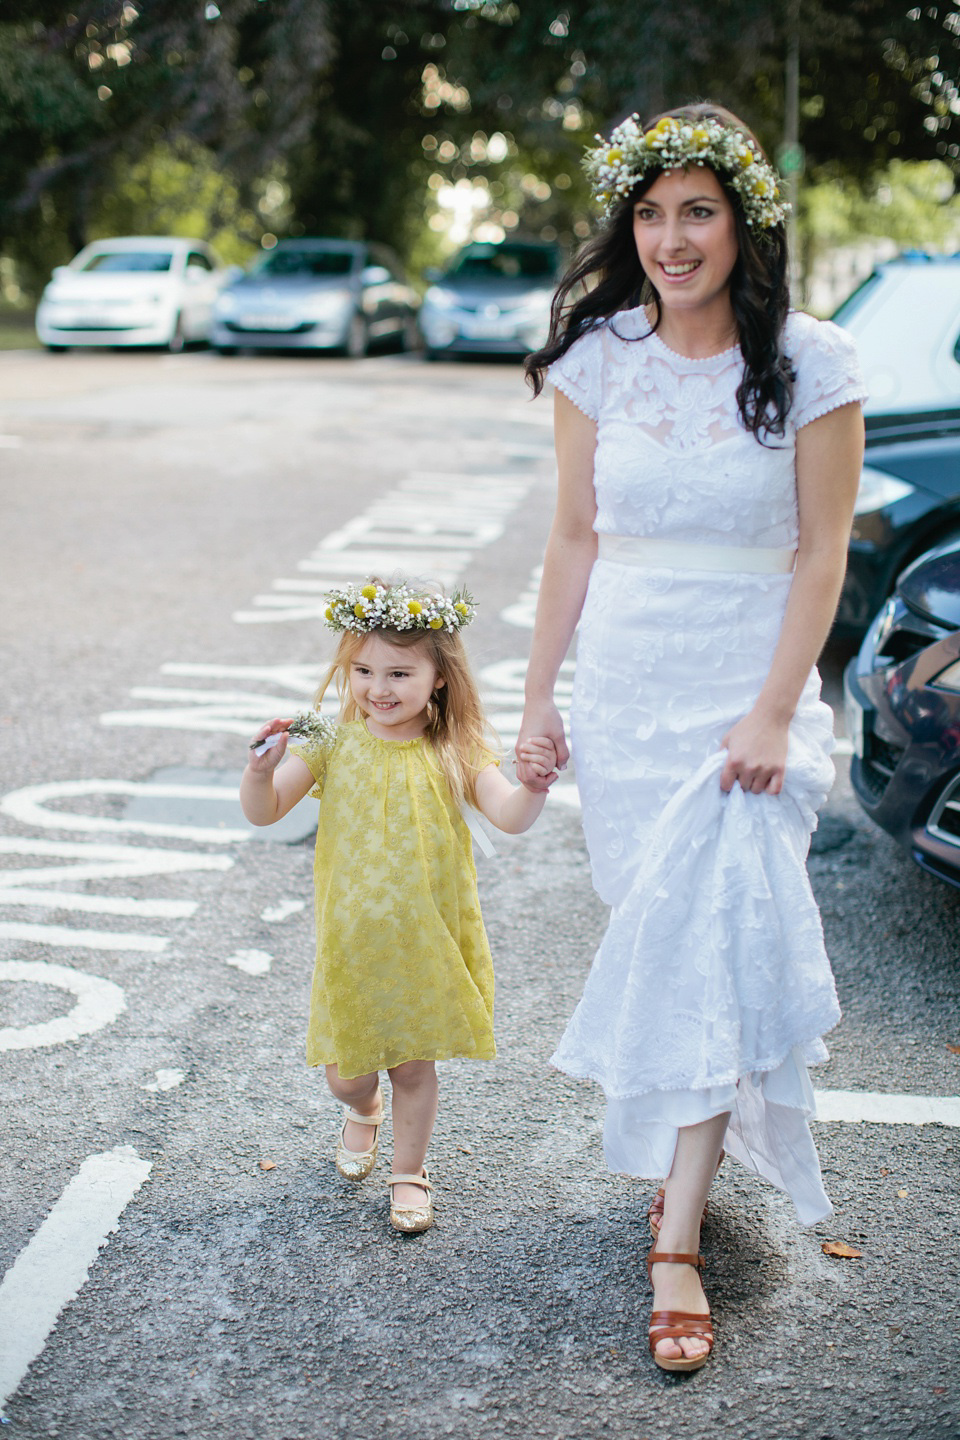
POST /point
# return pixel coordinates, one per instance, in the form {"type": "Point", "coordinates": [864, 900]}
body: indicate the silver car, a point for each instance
{"type": "Point", "coordinates": [343, 295]}
{"type": "Point", "coordinates": [491, 299]}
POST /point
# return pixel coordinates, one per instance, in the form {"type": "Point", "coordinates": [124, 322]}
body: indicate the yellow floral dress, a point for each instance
{"type": "Point", "coordinates": [403, 966]}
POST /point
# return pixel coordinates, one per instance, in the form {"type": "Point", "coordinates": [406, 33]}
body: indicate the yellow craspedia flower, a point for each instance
{"type": "Point", "coordinates": [369, 592]}
{"type": "Point", "coordinates": [359, 610]}
{"type": "Point", "coordinates": [614, 156]}
{"type": "Point", "coordinates": [760, 186]}
{"type": "Point", "coordinates": [700, 136]}
{"type": "Point", "coordinates": [746, 157]}
{"type": "Point", "coordinates": [460, 608]}
{"type": "Point", "coordinates": [329, 612]}
{"type": "Point", "coordinates": [666, 126]}
{"type": "Point", "coordinates": [650, 138]}
{"type": "Point", "coordinates": [414, 607]}
{"type": "Point", "coordinates": [436, 623]}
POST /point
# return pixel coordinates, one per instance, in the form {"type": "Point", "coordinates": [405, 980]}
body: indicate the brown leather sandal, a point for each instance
{"type": "Point", "coordinates": [655, 1209]}
{"type": "Point", "coordinates": [678, 1324]}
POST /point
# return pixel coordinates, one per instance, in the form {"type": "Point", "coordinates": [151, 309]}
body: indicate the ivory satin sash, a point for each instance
{"type": "Point", "coordinates": [677, 555]}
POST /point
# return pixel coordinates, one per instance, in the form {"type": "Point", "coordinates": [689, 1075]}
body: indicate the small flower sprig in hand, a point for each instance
{"type": "Point", "coordinates": [310, 725]}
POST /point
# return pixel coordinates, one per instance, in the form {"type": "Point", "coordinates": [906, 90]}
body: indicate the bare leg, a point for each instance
{"type": "Point", "coordinates": [677, 1287]}
{"type": "Point", "coordinates": [414, 1112]}
{"type": "Point", "coordinates": [362, 1094]}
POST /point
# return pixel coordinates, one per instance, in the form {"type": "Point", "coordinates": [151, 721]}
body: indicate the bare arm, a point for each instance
{"type": "Point", "coordinates": [511, 808]}
{"type": "Point", "coordinates": [829, 456]}
{"type": "Point", "coordinates": [266, 795]}
{"type": "Point", "coordinates": [570, 554]}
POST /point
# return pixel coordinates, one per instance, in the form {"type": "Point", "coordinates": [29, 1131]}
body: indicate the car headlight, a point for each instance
{"type": "Point", "coordinates": [330, 305]}
{"type": "Point", "coordinates": [948, 679]}
{"type": "Point", "coordinates": [877, 489]}
{"type": "Point", "coordinates": [439, 298]}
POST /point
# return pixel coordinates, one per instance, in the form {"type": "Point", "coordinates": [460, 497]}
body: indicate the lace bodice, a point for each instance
{"type": "Point", "coordinates": [673, 459]}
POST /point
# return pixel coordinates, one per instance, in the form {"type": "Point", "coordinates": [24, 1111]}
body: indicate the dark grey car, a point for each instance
{"type": "Point", "coordinates": [493, 298]}
{"type": "Point", "coordinates": [343, 295]}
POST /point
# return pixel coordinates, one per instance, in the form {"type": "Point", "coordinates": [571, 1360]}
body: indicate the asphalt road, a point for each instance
{"type": "Point", "coordinates": [168, 526]}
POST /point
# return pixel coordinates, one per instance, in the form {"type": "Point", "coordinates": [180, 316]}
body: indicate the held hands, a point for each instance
{"type": "Point", "coordinates": [541, 725]}
{"type": "Point", "coordinates": [756, 755]}
{"type": "Point", "coordinates": [538, 756]}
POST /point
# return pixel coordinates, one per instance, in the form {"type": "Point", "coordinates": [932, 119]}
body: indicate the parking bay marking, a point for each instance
{"type": "Point", "coordinates": [53, 1267]}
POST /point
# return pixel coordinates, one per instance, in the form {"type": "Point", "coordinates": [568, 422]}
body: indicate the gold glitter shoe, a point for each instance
{"type": "Point", "coordinates": [357, 1164]}
{"type": "Point", "coordinates": [411, 1219]}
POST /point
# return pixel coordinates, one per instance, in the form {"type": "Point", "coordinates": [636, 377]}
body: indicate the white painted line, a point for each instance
{"type": "Point", "coordinates": [27, 806]}
{"type": "Point", "coordinates": [283, 910]}
{"type": "Point", "coordinates": [166, 1080]}
{"type": "Point", "coordinates": [99, 1002]}
{"type": "Point", "coordinates": [70, 939]}
{"type": "Point", "coordinates": [251, 962]}
{"type": "Point", "coordinates": [857, 1107]}
{"type": "Point", "coordinates": [54, 1266]}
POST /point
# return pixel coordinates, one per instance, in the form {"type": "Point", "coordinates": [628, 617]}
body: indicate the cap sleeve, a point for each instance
{"type": "Point", "coordinates": [578, 373]}
{"type": "Point", "coordinates": [827, 368]}
{"type": "Point", "coordinates": [315, 752]}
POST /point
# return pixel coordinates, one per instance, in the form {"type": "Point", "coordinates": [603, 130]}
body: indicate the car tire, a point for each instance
{"type": "Point", "coordinates": [56, 349]}
{"type": "Point", "coordinates": [225, 349]}
{"type": "Point", "coordinates": [358, 340]}
{"type": "Point", "coordinates": [410, 339]}
{"type": "Point", "coordinates": [177, 342]}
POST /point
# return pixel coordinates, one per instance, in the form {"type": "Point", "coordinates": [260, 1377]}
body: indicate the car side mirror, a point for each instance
{"type": "Point", "coordinates": [374, 275]}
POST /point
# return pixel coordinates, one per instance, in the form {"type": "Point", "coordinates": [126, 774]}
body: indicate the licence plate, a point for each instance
{"type": "Point", "coordinates": [267, 322]}
{"type": "Point", "coordinates": [484, 329]}
{"type": "Point", "coordinates": [853, 715]}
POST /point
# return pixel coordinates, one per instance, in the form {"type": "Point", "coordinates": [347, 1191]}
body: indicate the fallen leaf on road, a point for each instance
{"type": "Point", "coordinates": [268, 1165]}
{"type": "Point", "coordinates": [884, 1170]}
{"type": "Point", "coordinates": [840, 1250]}
{"type": "Point", "coordinates": [901, 1194]}
{"type": "Point", "coordinates": [939, 1389]}
{"type": "Point", "coordinates": [954, 1049]}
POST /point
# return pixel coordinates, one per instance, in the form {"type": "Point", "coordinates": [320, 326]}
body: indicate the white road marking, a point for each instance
{"type": "Point", "coordinates": [69, 939]}
{"type": "Point", "coordinates": [399, 531]}
{"type": "Point", "coordinates": [251, 962]}
{"type": "Point", "coordinates": [99, 1002]}
{"type": "Point", "coordinates": [166, 1080]}
{"type": "Point", "coordinates": [54, 1266]}
{"type": "Point", "coordinates": [28, 806]}
{"type": "Point", "coordinates": [857, 1107]}
{"type": "Point", "coordinates": [282, 911]}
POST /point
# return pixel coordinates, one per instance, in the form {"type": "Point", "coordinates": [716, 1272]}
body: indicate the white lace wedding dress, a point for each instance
{"type": "Point", "coordinates": [711, 988]}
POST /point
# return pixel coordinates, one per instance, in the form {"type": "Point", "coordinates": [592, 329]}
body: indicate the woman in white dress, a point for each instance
{"type": "Point", "coordinates": [709, 444]}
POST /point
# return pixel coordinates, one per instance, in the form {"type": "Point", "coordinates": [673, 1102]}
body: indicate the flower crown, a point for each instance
{"type": "Point", "coordinates": [376, 606]}
{"type": "Point", "coordinates": [614, 166]}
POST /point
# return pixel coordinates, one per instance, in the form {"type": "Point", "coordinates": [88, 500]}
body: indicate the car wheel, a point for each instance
{"type": "Point", "coordinates": [357, 338]}
{"type": "Point", "coordinates": [410, 335]}
{"type": "Point", "coordinates": [225, 349]}
{"type": "Point", "coordinates": [177, 341]}
{"type": "Point", "coordinates": [56, 349]}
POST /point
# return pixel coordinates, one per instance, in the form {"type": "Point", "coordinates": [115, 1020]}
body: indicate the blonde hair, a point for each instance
{"type": "Point", "coordinates": [457, 729]}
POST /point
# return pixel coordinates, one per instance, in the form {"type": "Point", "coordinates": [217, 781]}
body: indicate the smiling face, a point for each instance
{"type": "Point", "coordinates": [685, 233]}
{"type": "Point", "coordinates": [392, 686]}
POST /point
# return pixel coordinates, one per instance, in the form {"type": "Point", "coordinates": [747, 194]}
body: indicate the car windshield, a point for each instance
{"type": "Point", "coordinates": [306, 262]}
{"type": "Point", "coordinates": [504, 262]}
{"type": "Point", "coordinates": [126, 261]}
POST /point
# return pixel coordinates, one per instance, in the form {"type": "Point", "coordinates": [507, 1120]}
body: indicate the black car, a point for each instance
{"type": "Point", "coordinates": [909, 500]}
{"type": "Point", "coordinates": [902, 696]}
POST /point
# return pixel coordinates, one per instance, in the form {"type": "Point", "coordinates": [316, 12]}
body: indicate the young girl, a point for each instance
{"type": "Point", "coordinates": [403, 975]}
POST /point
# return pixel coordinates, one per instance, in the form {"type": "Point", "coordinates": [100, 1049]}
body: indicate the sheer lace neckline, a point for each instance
{"type": "Point", "coordinates": [639, 328]}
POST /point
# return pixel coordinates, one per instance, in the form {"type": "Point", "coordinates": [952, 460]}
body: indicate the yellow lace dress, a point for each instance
{"type": "Point", "coordinates": [403, 966]}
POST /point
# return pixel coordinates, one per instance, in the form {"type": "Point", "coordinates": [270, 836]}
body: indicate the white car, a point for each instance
{"type": "Point", "coordinates": [133, 290]}
{"type": "Point", "coordinates": [905, 319]}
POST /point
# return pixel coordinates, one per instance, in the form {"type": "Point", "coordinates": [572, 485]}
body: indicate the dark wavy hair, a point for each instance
{"type": "Point", "coordinates": [759, 293]}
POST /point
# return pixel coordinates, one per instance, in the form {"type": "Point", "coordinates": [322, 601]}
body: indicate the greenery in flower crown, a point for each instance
{"type": "Point", "coordinates": [375, 606]}
{"type": "Point", "coordinates": [614, 166]}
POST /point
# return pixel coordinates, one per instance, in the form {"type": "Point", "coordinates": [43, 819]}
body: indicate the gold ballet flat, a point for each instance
{"type": "Point", "coordinates": [357, 1164]}
{"type": "Point", "coordinates": [411, 1219]}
